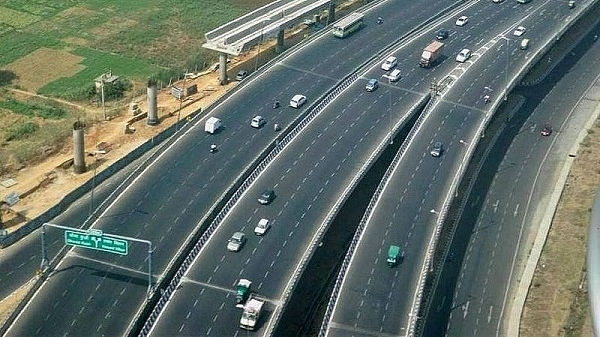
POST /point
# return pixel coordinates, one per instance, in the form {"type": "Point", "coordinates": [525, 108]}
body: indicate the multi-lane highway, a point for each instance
{"type": "Point", "coordinates": [90, 291]}
{"type": "Point", "coordinates": [375, 299]}
{"type": "Point", "coordinates": [506, 206]}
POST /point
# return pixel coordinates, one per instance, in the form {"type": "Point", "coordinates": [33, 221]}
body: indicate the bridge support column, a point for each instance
{"type": "Point", "coordinates": [223, 68]}
{"type": "Point", "coordinates": [331, 12]}
{"type": "Point", "coordinates": [280, 47]}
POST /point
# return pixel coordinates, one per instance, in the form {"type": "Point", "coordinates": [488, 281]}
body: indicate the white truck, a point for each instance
{"type": "Point", "coordinates": [212, 125]}
{"type": "Point", "coordinates": [251, 314]}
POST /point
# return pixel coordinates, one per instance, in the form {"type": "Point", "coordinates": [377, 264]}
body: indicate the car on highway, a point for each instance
{"type": "Point", "coordinates": [437, 149]}
{"type": "Point", "coordinates": [297, 101]}
{"type": "Point", "coordinates": [257, 122]}
{"type": "Point", "coordinates": [241, 75]}
{"type": "Point", "coordinates": [237, 241]}
{"type": "Point", "coordinates": [389, 63]}
{"type": "Point", "coordinates": [546, 130]}
{"type": "Point", "coordinates": [394, 76]}
{"type": "Point", "coordinates": [464, 55]}
{"type": "Point", "coordinates": [462, 21]}
{"type": "Point", "coordinates": [262, 227]}
{"type": "Point", "coordinates": [372, 85]}
{"type": "Point", "coordinates": [266, 197]}
{"type": "Point", "coordinates": [442, 34]}
{"type": "Point", "coordinates": [519, 31]}
{"type": "Point", "coordinates": [497, 1]}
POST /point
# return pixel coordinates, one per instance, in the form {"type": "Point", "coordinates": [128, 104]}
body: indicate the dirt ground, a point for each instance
{"type": "Point", "coordinates": [557, 303]}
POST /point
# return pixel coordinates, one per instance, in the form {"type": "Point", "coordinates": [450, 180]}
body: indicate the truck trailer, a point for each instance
{"type": "Point", "coordinates": [430, 54]}
{"type": "Point", "coordinates": [251, 314]}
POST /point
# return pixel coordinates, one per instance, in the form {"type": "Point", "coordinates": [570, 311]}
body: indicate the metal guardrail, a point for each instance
{"type": "Point", "coordinates": [168, 292]}
{"type": "Point", "coordinates": [469, 153]}
{"type": "Point", "coordinates": [370, 207]}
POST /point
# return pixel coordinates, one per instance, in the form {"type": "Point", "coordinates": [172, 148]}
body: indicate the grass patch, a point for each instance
{"type": "Point", "coordinates": [21, 130]}
{"type": "Point", "coordinates": [94, 64]}
{"type": "Point", "coordinates": [44, 111]}
{"type": "Point", "coordinates": [15, 18]}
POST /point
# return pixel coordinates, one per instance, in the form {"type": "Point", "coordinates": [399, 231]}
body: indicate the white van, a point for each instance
{"type": "Point", "coordinates": [297, 101]}
{"type": "Point", "coordinates": [212, 125]}
{"type": "Point", "coordinates": [524, 44]}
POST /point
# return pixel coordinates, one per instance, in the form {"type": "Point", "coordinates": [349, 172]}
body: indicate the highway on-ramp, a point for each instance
{"type": "Point", "coordinates": [509, 200]}
{"type": "Point", "coordinates": [99, 293]}
{"type": "Point", "coordinates": [375, 299]}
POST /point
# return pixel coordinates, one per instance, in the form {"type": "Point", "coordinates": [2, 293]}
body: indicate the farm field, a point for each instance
{"type": "Point", "coordinates": [56, 46]}
{"type": "Point", "coordinates": [55, 49]}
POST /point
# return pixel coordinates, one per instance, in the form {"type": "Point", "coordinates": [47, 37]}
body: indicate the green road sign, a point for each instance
{"type": "Point", "coordinates": [94, 239]}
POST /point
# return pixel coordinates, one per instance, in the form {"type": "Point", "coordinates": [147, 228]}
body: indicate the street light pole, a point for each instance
{"type": "Point", "coordinates": [390, 111]}
{"type": "Point", "coordinates": [259, 42]}
{"type": "Point", "coordinates": [390, 89]}
{"type": "Point", "coordinates": [506, 68]}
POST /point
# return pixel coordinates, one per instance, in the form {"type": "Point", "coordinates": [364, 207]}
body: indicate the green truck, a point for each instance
{"type": "Point", "coordinates": [394, 255]}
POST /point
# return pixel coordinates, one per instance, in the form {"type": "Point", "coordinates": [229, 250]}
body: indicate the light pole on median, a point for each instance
{"type": "Point", "coordinates": [259, 42]}
{"type": "Point", "coordinates": [506, 68]}
{"type": "Point", "coordinates": [390, 112]}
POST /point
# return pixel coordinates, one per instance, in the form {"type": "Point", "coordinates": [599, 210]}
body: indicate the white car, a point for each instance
{"type": "Point", "coordinates": [257, 122]}
{"type": "Point", "coordinates": [462, 21]}
{"type": "Point", "coordinates": [237, 241]}
{"type": "Point", "coordinates": [519, 31]}
{"type": "Point", "coordinates": [297, 101]}
{"type": "Point", "coordinates": [394, 75]}
{"type": "Point", "coordinates": [262, 227]}
{"type": "Point", "coordinates": [389, 63]}
{"type": "Point", "coordinates": [464, 55]}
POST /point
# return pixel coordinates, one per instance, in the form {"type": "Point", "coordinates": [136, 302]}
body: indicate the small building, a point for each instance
{"type": "Point", "coordinates": [105, 78]}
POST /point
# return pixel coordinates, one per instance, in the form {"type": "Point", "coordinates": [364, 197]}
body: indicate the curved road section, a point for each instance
{"type": "Point", "coordinates": [374, 298]}
{"type": "Point", "coordinates": [100, 294]}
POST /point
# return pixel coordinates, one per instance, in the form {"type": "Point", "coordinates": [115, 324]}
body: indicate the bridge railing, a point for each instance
{"type": "Point", "coordinates": [427, 267]}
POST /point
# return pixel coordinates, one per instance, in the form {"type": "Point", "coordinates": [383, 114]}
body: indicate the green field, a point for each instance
{"type": "Point", "coordinates": [57, 48]}
{"type": "Point", "coordinates": [134, 39]}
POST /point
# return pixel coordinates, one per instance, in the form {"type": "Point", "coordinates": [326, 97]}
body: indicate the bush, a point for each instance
{"type": "Point", "coordinates": [21, 130]}
{"type": "Point", "coordinates": [115, 90]}
{"type": "Point", "coordinates": [6, 77]}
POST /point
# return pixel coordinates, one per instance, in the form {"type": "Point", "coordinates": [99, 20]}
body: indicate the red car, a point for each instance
{"type": "Point", "coordinates": [546, 130]}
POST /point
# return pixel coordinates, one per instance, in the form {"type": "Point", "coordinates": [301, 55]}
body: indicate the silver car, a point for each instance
{"type": "Point", "coordinates": [237, 241]}
{"type": "Point", "coordinates": [437, 149]}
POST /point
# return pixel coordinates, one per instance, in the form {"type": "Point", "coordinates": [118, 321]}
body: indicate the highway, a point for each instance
{"type": "Point", "coordinates": [509, 199]}
{"type": "Point", "coordinates": [375, 299]}
{"type": "Point", "coordinates": [100, 293]}
{"type": "Point", "coordinates": [309, 179]}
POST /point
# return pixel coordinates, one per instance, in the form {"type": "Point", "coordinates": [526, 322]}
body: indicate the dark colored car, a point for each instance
{"type": "Point", "coordinates": [266, 197]}
{"type": "Point", "coordinates": [442, 34]}
{"type": "Point", "coordinates": [241, 75]}
{"type": "Point", "coordinates": [546, 130]}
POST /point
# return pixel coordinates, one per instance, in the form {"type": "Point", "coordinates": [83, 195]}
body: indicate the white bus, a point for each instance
{"type": "Point", "coordinates": [347, 25]}
{"type": "Point", "coordinates": [523, 1]}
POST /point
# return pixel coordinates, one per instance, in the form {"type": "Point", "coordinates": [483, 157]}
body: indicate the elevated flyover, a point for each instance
{"type": "Point", "coordinates": [237, 36]}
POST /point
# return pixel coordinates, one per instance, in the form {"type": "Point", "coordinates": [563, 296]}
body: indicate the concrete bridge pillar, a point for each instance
{"type": "Point", "coordinates": [223, 69]}
{"type": "Point", "coordinates": [331, 12]}
{"type": "Point", "coordinates": [280, 47]}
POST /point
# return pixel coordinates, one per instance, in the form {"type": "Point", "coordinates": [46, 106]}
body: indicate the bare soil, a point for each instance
{"type": "Point", "coordinates": [557, 303]}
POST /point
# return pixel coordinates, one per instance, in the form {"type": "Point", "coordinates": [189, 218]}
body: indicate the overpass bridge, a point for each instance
{"type": "Point", "coordinates": [239, 35]}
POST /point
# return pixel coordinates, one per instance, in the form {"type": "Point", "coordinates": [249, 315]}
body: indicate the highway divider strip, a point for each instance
{"type": "Point", "coordinates": [161, 300]}
{"type": "Point", "coordinates": [462, 168]}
